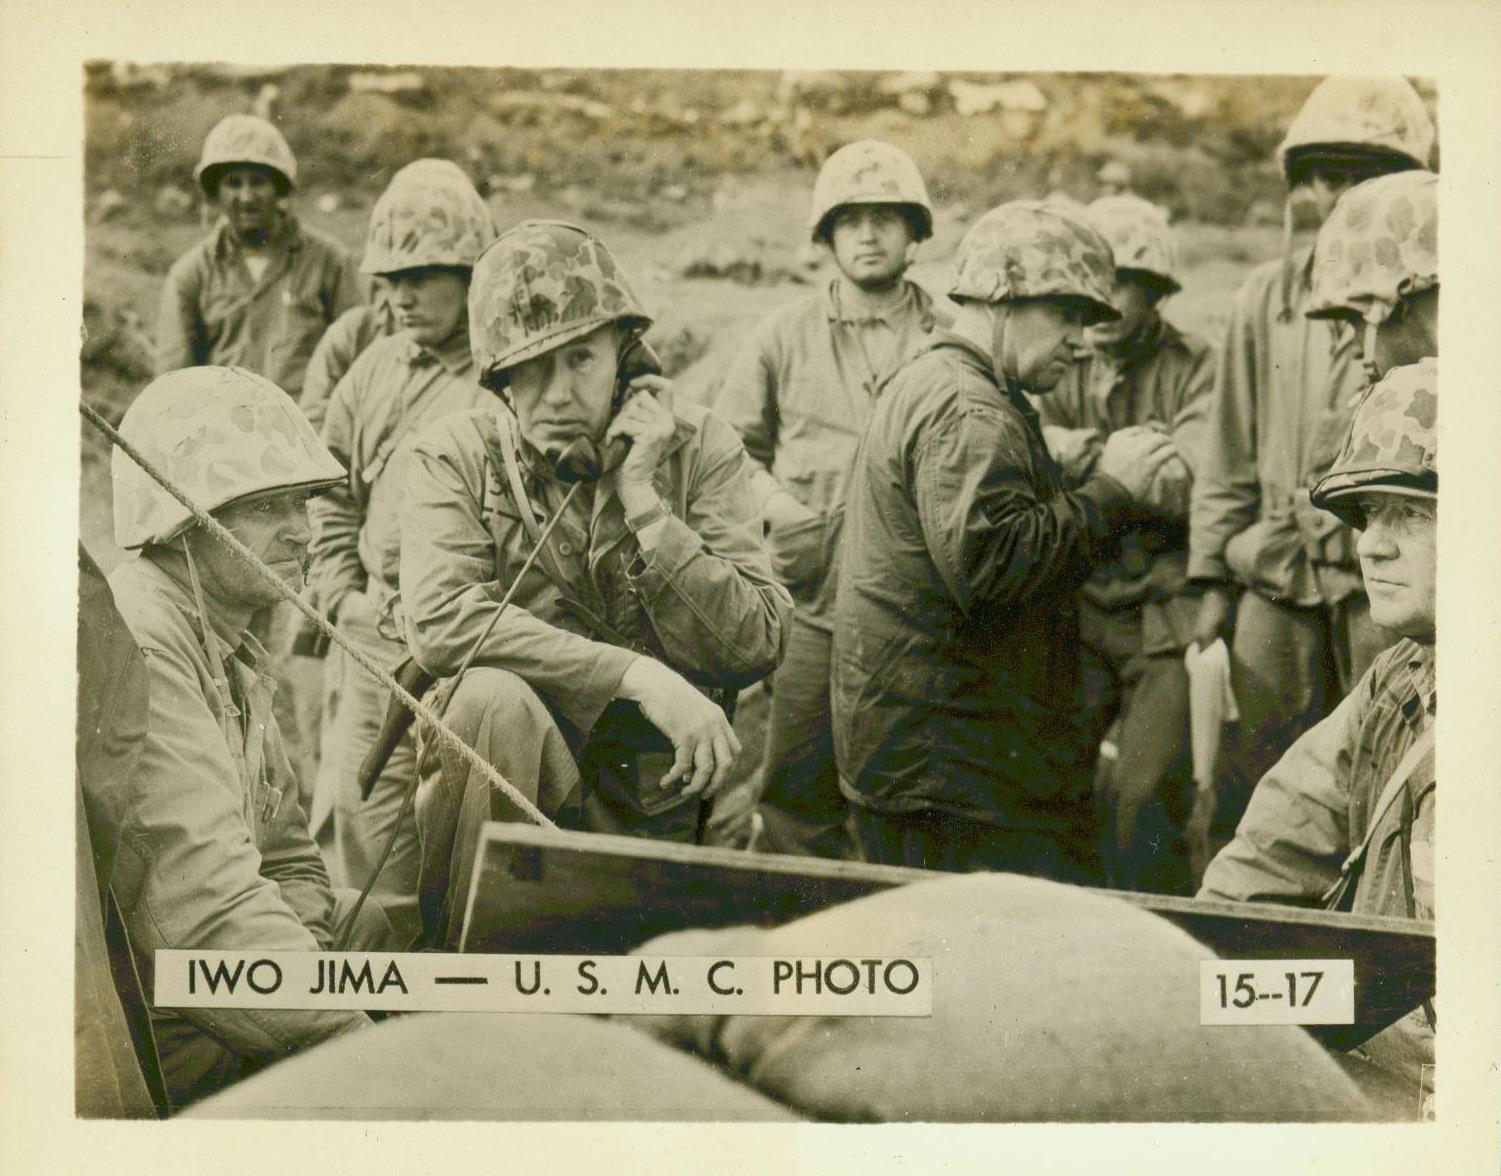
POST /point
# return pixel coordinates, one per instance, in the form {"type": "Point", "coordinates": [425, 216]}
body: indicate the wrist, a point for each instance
{"type": "Point", "coordinates": [637, 498]}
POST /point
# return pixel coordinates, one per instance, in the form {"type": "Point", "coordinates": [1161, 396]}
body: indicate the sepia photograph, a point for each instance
{"type": "Point", "coordinates": [634, 594]}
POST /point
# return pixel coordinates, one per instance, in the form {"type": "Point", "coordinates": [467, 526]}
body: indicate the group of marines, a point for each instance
{"type": "Point", "coordinates": [968, 541]}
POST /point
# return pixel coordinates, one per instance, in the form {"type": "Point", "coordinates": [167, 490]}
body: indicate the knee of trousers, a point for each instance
{"type": "Point", "coordinates": [486, 694]}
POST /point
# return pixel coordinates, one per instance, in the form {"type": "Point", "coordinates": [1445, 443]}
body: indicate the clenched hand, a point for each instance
{"type": "Point", "coordinates": [703, 742]}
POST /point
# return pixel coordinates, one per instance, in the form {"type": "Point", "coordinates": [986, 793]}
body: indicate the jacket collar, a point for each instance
{"type": "Point", "coordinates": [166, 574]}
{"type": "Point", "coordinates": [914, 300]}
{"type": "Point", "coordinates": [453, 355]}
{"type": "Point", "coordinates": [226, 245]}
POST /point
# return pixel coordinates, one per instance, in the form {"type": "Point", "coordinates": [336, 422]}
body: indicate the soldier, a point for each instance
{"type": "Point", "coordinates": [1375, 266]}
{"type": "Point", "coordinates": [212, 847]}
{"type": "Point", "coordinates": [1135, 620]}
{"type": "Point", "coordinates": [1279, 579]}
{"type": "Point", "coordinates": [260, 289]}
{"type": "Point", "coordinates": [600, 693]}
{"type": "Point", "coordinates": [426, 231]}
{"type": "Point", "coordinates": [799, 395]}
{"type": "Point", "coordinates": [955, 663]}
{"type": "Point", "coordinates": [1363, 779]}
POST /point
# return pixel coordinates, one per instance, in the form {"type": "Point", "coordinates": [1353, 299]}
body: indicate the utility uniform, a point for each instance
{"type": "Point", "coordinates": [1135, 621]}
{"type": "Point", "coordinates": [539, 701]}
{"type": "Point", "coordinates": [799, 395]}
{"type": "Point", "coordinates": [341, 345]}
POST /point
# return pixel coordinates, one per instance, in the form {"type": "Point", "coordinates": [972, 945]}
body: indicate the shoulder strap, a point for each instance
{"type": "Point", "coordinates": [1343, 888]}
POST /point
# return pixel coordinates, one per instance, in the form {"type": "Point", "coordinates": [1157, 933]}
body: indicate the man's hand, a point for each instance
{"type": "Point", "coordinates": [1073, 449]}
{"type": "Point", "coordinates": [646, 419]}
{"type": "Point", "coordinates": [702, 738]}
{"type": "Point", "coordinates": [1132, 456]}
{"type": "Point", "coordinates": [1216, 616]}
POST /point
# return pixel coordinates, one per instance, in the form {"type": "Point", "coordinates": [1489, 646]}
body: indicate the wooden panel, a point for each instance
{"type": "Point", "coordinates": [538, 890]}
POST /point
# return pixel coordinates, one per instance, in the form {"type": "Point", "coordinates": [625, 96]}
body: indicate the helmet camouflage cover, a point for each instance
{"type": "Point", "coordinates": [242, 139]}
{"type": "Point", "coordinates": [1392, 445]}
{"type": "Point", "coordinates": [1035, 249]}
{"type": "Point", "coordinates": [218, 434]}
{"type": "Point", "coordinates": [429, 214]}
{"type": "Point", "coordinates": [1378, 247]}
{"type": "Point", "coordinates": [538, 286]}
{"type": "Point", "coordinates": [869, 172]}
{"type": "Point", "coordinates": [1373, 116]}
{"type": "Point", "coordinates": [1138, 235]}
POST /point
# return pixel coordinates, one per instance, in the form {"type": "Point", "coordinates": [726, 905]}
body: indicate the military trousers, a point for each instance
{"type": "Point", "coordinates": [605, 780]}
{"type": "Point", "coordinates": [933, 839]}
{"type": "Point", "coordinates": [803, 810]}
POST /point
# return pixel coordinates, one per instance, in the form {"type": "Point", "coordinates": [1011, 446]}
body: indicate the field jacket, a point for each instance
{"type": "Point", "coordinates": [704, 603]}
{"type": "Point", "coordinates": [211, 845]}
{"type": "Point", "coordinates": [214, 312]}
{"type": "Point", "coordinates": [955, 674]}
{"type": "Point", "coordinates": [1161, 378]}
{"type": "Point", "coordinates": [1283, 399]}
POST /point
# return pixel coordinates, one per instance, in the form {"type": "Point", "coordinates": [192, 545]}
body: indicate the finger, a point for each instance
{"type": "Point", "coordinates": [732, 739]}
{"type": "Point", "coordinates": [724, 760]}
{"type": "Point", "coordinates": [703, 768]}
{"type": "Point", "coordinates": [682, 761]}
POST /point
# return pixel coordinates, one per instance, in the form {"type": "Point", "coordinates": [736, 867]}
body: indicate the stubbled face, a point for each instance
{"type": "Point", "coordinates": [567, 392]}
{"type": "Point", "coordinates": [1038, 340]}
{"type": "Point", "coordinates": [275, 528]}
{"type": "Point", "coordinates": [872, 244]}
{"type": "Point", "coordinates": [1137, 302]}
{"type": "Point", "coordinates": [1399, 561]}
{"type": "Point", "coordinates": [431, 304]}
{"type": "Point", "coordinates": [247, 195]}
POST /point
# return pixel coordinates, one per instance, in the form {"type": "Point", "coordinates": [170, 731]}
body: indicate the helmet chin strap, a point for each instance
{"type": "Point", "coordinates": [211, 643]}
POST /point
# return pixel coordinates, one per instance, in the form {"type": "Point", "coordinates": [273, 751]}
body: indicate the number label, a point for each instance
{"type": "Point", "coordinates": [1277, 992]}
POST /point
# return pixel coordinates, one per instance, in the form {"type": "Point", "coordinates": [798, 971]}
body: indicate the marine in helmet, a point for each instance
{"type": "Point", "coordinates": [1279, 579]}
{"type": "Point", "coordinates": [1363, 778]}
{"type": "Point", "coordinates": [601, 692]}
{"type": "Point", "coordinates": [261, 288]}
{"type": "Point", "coordinates": [426, 231]}
{"type": "Point", "coordinates": [799, 394]}
{"type": "Point", "coordinates": [1375, 267]}
{"type": "Point", "coordinates": [1135, 619]}
{"type": "Point", "coordinates": [211, 845]}
{"type": "Point", "coordinates": [955, 658]}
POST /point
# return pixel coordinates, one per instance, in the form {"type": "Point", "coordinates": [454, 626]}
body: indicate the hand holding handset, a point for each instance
{"type": "Point", "coordinates": [582, 460]}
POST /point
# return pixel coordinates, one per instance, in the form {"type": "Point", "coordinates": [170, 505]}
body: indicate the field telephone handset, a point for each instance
{"type": "Point", "coordinates": [582, 459]}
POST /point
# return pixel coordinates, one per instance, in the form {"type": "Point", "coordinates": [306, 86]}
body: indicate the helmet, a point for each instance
{"type": "Point", "coordinates": [1392, 445]}
{"type": "Point", "coordinates": [1035, 249]}
{"type": "Point", "coordinates": [1138, 235]}
{"type": "Point", "coordinates": [429, 214]}
{"type": "Point", "coordinates": [1378, 247]}
{"type": "Point", "coordinates": [241, 139]}
{"type": "Point", "coordinates": [869, 172]}
{"type": "Point", "coordinates": [1366, 117]}
{"type": "Point", "coordinates": [218, 434]}
{"type": "Point", "coordinates": [538, 286]}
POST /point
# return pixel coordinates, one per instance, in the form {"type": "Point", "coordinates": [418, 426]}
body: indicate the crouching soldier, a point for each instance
{"type": "Point", "coordinates": [1135, 620]}
{"type": "Point", "coordinates": [1346, 817]}
{"type": "Point", "coordinates": [213, 847]}
{"type": "Point", "coordinates": [425, 233]}
{"type": "Point", "coordinates": [955, 666]}
{"type": "Point", "coordinates": [600, 692]}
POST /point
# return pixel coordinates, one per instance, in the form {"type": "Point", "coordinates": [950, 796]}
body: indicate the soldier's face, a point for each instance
{"type": "Point", "coordinates": [1038, 340]}
{"type": "Point", "coordinates": [1399, 561]}
{"type": "Point", "coordinates": [1409, 335]}
{"type": "Point", "coordinates": [275, 528]}
{"type": "Point", "coordinates": [431, 304]}
{"type": "Point", "coordinates": [872, 244]}
{"type": "Point", "coordinates": [567, 393]}
{"type": "Point", "coordinates": [1137, 302]}
{"type": "Point", "coordinates": [1327, 182]}
{"type": "Point", "coordinates": [247, 196]}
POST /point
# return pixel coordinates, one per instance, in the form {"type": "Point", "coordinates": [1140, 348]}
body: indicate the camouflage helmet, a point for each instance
{"type": "Point", "coordinates": [1380, 118]}
{"type": "Point", "coordinates": [1378, 248]}
{"type": "Point", "coordinates": [1138, 235]}
{"type": "Point", "coordinates": [241, 139]}
{"type": "Point", "coordinates": [538, 286]}
{"type": "Point", "coordinates": [218, 434]}
{"type": "Point", "coordinates": [869, 172]}
{"type": "Point", "coordinates": [1392, 445]}
{"type": "Point", "coordinates": [1035, 249]}
{"type": "Point", "coordinates": [429, 214]}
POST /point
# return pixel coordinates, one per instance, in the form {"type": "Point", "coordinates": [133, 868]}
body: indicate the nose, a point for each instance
{"type": "Point", "coordinates": [557, 388]}
{"type": "Point", "coordinates": [402, 293]}
{"type": "Point", "coordinates": [295, 528]}
{"type": "Point", "coordinates": [1376, 542]}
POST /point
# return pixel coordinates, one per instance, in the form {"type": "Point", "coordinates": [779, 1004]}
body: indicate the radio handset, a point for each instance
{"type": "Point", "coordinates": [581, 460]}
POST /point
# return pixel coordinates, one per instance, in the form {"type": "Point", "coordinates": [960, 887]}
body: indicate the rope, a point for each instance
{"type": "Point", "coordinates": [414, 704]}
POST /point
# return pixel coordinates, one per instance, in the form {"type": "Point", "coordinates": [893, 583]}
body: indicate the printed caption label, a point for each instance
{"type": "Point", "coordinates": [1277, 992]}
{"type": "Point", "coordinates": [428, 982]}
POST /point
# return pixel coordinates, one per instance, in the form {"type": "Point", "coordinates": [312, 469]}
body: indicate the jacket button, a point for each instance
{"type": "Point", "coordinates": [565, 548]}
